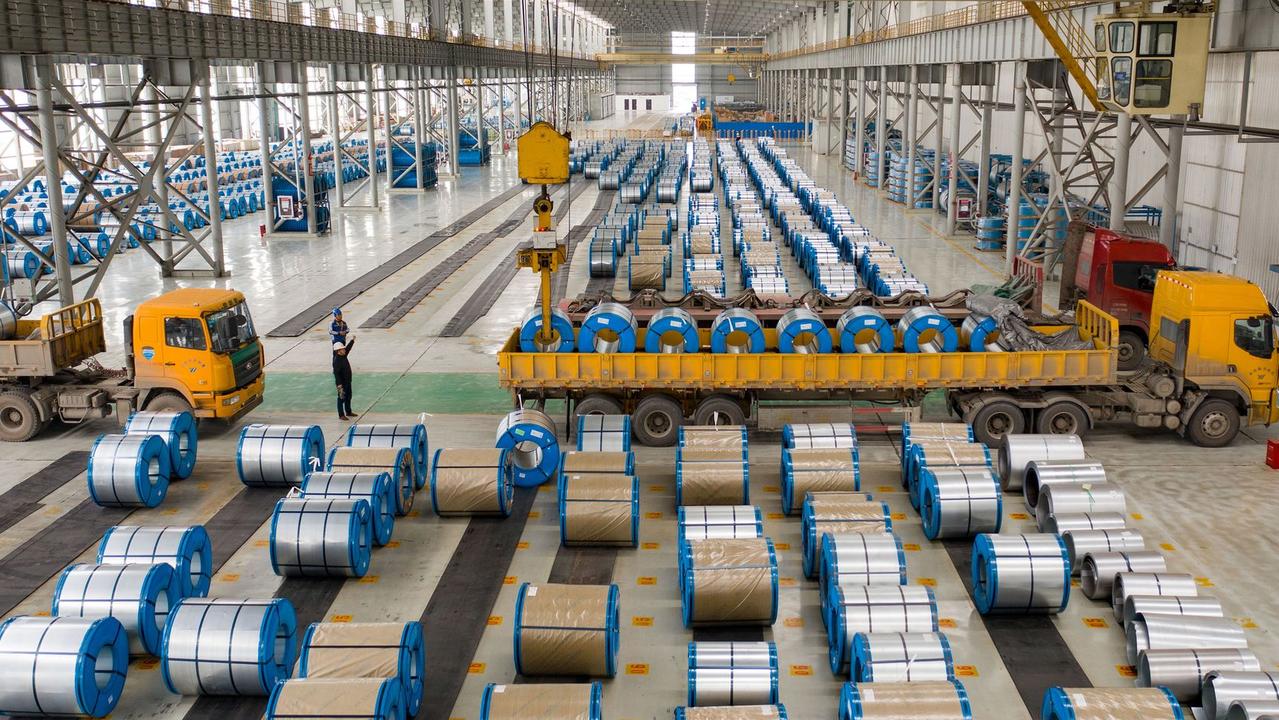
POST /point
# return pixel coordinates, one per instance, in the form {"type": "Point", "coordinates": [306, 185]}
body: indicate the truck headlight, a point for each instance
{"type": "Point", "coordinates": [231, 400]}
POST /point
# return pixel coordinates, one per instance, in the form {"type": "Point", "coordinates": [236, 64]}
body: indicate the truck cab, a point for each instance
{"type": "Point", "coordinates": [1117, 274]}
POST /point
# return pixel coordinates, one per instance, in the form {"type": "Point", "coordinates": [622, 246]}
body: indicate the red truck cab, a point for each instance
{"type": "Point", "coordinates": [1117, 273]}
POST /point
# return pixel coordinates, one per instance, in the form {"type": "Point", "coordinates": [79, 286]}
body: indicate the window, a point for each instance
{"type": "Point", "coordinates": [1152, 87]}
{"type": "Point", "coordinates": [683, 75]}
{"type": "Point", "coordinates": [1135, 275]}
{"type": "Point", "coordinates": [1121, 37]}
{"type": "Point", "coordinates": [231, 329]}
{"type": "Point", "coordinates": [185, 333]}
{"type": "Point", "coordinates": [1158, 39]}
{"type": "Point", "coordinates": [1099, 37]}
{"type": "Point", "coordinates": [648, 103]}
{"type": "Point", "coordinates": [1121, 79]}
{"type": "Point", "coordinates": [1255, 336]}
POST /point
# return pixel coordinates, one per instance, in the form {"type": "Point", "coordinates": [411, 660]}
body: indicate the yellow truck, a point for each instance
{"type": "Point", "coordinates": [190, 349]}
{"type": "Point", "coordinates": [1203, 381]}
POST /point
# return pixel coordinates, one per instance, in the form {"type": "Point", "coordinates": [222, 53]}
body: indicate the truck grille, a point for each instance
{"type": "Point", "coordinates": [248, 365]}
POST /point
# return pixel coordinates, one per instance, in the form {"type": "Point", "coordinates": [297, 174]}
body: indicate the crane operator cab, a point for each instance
{"type": "Point", "coordinates": [1153, 63]}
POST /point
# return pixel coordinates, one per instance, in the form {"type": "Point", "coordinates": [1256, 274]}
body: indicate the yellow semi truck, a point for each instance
{"type": "Point", "coordinates": [1212, 367]}
{"type": "Point", "coordinates": [190, 349]}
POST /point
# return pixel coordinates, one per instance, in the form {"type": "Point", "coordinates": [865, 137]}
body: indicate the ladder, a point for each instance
{"type": "Point", "coordinates": [1069, 39]}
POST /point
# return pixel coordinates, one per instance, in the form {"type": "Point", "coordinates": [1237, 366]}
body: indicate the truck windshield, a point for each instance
{"type": "Point", "coordinates": [231, 329]}
{"type": "Point", "coordinates": [1137, 275]}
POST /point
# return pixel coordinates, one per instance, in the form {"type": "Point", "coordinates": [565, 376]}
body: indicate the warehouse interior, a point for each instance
{"type": "Point", "coordinates": [701, 359]}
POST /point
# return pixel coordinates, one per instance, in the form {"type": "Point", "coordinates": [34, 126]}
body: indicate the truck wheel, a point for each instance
{"type": "Point", "coordinates": [1062, 418]}
{"type": "Point", "coordinates": [19, 418]}
{"type": "Point", "coordinates": [168, 402]}
{"type": "Point", "coordinates": [1214, 423]}
{"type": "Point", "coordinates": [1132, 350]}
{"type": "Point", "coordinates": [719, 410]}
{"type": "Point", "coordinates": [657, 420]}
{"type": "Point", "coordinates": [598, 404]}
{"type": "Point", "coordinates": [996, 419]}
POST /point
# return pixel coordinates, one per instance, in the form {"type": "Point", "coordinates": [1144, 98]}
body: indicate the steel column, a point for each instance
{"type": "Point", "coordinates": [370, 107]}
{"type": "Point", "coordinates": [983, 168]}
{"type": "Point", "coordinates": [1018, 158]}
{"type": "Point", "coordinates": [956, 127]}
{"type": "Point", "coordinates": [859, 132]}
{"type": "Point", "coordinates": [304, 139]}
{"type": "Point", "coordinates": [211, 170]}
{"type": "Point", "coordinates": [1172, 186]}
{"type": "Point", "coordinates": [1119, 176]}
{"type": "Point", "coordinates": [53, 180]}
{"type": "Point", "coordinates": [451, 89]}
{"type": "Point", "coordinates": [264, 128]}
{"type": "Point", "coordinates": [335, 136]}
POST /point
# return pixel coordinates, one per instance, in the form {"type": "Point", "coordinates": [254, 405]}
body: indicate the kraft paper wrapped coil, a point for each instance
{"type": "Point", "coordinates": [960, 502]}
{"type": "Point", "coordinates": [367, 650]}
{"type": "Point", "coordinates": [901, 657]}
{"type": "Point", "coordinates": [1110, 704]}
{"type": "Point", "coordinates": [722, 674]}
{"type": "Point", "coordinates": [875, 609]}
{"type": "Point", "coordinates": [337, 699]}
{"type": "Point", "coordinates": [739, 712]}
{"type": "Point", "coordinates": [711, 476]}
{"type": "Point", "coordinates": [278, 455]}
{"type": "Point", "coordinates": [819, 435]}
{"type": "Point", "coordinates": [729, 582]}
{"type": "Point", "coordinates": [51, 665]}
{"type": "Point", "coordinates": [220, 646]}
{"type": "Point", "coordinates": [913, 432]}
{"type": "Point", "coordinates": [930, 455]}
{"type": "Point", "coordinates": [1017, 451]}
{"type": "Point", "coordinates": [178, 431]}
{"type": "Point", "coordinates": [471, 482]}
{"type": "Point", "coordinates": [817, 470]}
{"type": "Point", "coordinates": [397, 462]}
{"type": "Point", "coordinates": [604, 433]}
{"type": "Point", "coordinates": [1024, 574]}
{"type": "Point", "coordinates": [904, 701]}
{"type": "Point", "coordinates": [838, 513]}
{"type": "Point", "coordinates": [645, 272]}
{"type": "Point", "coordinates": [713, 436]}
{"type": "Point", "coordinates": [139, 596]}
{"type": "Point", "coordinates": [413, 437]}
{"type": "Point", "coordinates": [599, 509]}
{"type": "Point", "coordinates": [185, 548]}
{"type": "Point", "coordinates": [578, 462]}
{"type": "Point", "coordinates": [552, 701]}
{"type": "Point", "coordinates": [566, 630]}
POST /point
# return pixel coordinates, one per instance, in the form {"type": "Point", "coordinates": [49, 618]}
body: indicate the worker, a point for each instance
{"type": "Point", "coordinates": [342, 376]}
{"type": "Point", "coordinates": [338, 329]}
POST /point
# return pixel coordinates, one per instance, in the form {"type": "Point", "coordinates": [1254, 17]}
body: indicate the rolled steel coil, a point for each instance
{"type": "Point", "coordinates": [367, 650]}
{"type": "Point", "coordinates": [337, 698]}
{"type": "Point", "coordinates": [62, 665]}
{"type": "Point", "coordinates": [184, 548]}
{"type": "Point", "coordinates": [23, 264]}
{"type": "Point", "coordinates": [578, 463]}
{"type": "Point", "coordinates": [1222, 688]}
{"type": "Point", "coordinates": [864, 330]}
{"type": "Point", "coordinates": [1017, 451]}
{"type": "Point", "coordinates": [711, 476]}
{"type": "Point", "coordinates": [737, 330]}
{"type": "Point", "coordinates": [396, 462]}
{"type": "Point", "coordinates": [580, 701]}
{"type": "Point", "coordinates": [28, 222]}
{"type": "Point", "coordinates": [819, 435]}
{"type": "Point", "coordinates": [960, 502]}
{"type": "Point", "coordinates": [902, 700]}
{"type": "Point", "coordinates": [604, 433]}
{"type": "Point", "coordinates": [876, 609]}
{"type": "Point", "coordinates": [902, 657]}
{"type": "Point", "coordinates": [599, 509]}
{"type": "Point", "coordinates": [924, 330]}
{"type": "Point", "coordinates": [714, 436]}
{"type": "Point", "coordinates": [1182, 671]}
{"type": "Point", "coordinates": [671, 330]}
{"type": "Point", "coordinates": [1110, 703]}
{"type": "Point", "coordinates": [139, 596]}
{"type": "Point", "coordinates": [278, 455]}
{"type": "Point", "coordinates": [1097, 570]}
{"type": "Point", "coordinates": [1253, 710]}
{"type": "Point", "coordinates": [1022, 574]}
{"type": "Point", "coordinates": [1126, 584]}
{"type": "Point", "coordinates": [817, 470]}
{"type": "Point", "coordinates": [722, 674]}
{"type": "Point", "coordinates": [178, 431]}
{"type": "Point", "coordinates": [221, 646]}
{"type": "Point", "coordinates": [802, 331]}
{"type": "Point", "coordinates": [719, 522]}
{"type": "Point", "coordinates": [1082, 542]}
{"type": "Point", "coordinates": [1062, 523]}
{"type": "Point", "coordinates": [128, 471]}
{"type": "Point", "coordinates": [472, 482]}
{"type": "Point", "coordinates": [915, 432]}
{"type": "Point", "coordinates": [1202, 605]}
{"type": "Point", "coordinates": [414, 437]}
{"type": "Point", "coordinates": [529, 435]}
{"type": "Point", "coordinates": [561, 340]}
{"type": "Point", "coordinates": [8, 316]}
{"type": "Point", "coordinates": [979, 333]}
{"type": "Point", "coordinates": [1074, 499]}
{"type": "Point", "coordinates": [603, 258]}
{"type": "Point", "coordinates": [1153, 631]}
{"type": "Point", "coordinates": [374, 488]}
{"type": "Point", "coordinates": [566, 630]}
{"type": "Point", "coordinates": [838, 513]}
{"type": "Point", "coordinates": [737, 712]}
{"type": "Point", "coordinates": [856, 559]}
{"type": "Point", "coordinates": [1042, 473]}
{"type": "Point", "coordinates": [321, 538]}
{"type": "Point", "coordinates": [931, 455]}
{"type": "Point", "coordinates": [609, 327]}
{"type": "Point", "coordinates": [728, 582]}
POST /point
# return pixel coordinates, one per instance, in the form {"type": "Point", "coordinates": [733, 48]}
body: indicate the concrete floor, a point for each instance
{"type": "Point", "coordinates": [1214, 508]}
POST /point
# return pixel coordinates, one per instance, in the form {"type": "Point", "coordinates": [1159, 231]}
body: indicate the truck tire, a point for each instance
{"type": "Point", "coordinates": [1062, 418]}
{"type": "Point", "coordinates": [1214, 423]}
{"type": "Point", "coordinates": [598, 404]}
{"type": "Point", "coordinates": [19, 418]}
{"type": "Point", "coordinates": [719, 410]}
{"type": "Point", "coordinates": [168, 401]}
{"type": "Point", "coordinates": [1132, 350]}
{"type": "Point", "coordinates": [996, 419]}
{"type": "Point", "coordinates": [656, 421]}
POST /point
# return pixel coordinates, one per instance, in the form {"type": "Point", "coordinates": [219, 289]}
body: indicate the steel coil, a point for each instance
{"type": "Point", "coordinates": [864, 330]}
{"type": "Point", "coordinates": [1063, 523]}
{"type": "Point", "coordinates": [853, 559]}
{"type": "Point", "coordinates": [185, 549]}
{"type": "Point", "coordinates": [819, 435]}
{"type": "Point", "coordinates": [609, 327]}
{"type": "Point", "coordinates": [728, 582]}
{"type": "Point", "coordinates": [916, 432]}
{"type": "Point", "coordinates": [671, 330]}
{"type": "Point", "coordinates": [566, 630]}
{"type": "Point", "coordinates": [1126, 584]}
{"type": "Point", "coordinates": [735, 712]}
{"type": "Point", "coordinates": [1042, 473]}
{"type": "Point", "coordinates": [901, 657]}
{"type": "Point", "coordinates": [1097, 570]}
{"type": "Point", "coordinates": [1023, 574]}
{"type": "Point", "coordinates": [599, 509]}
{"type": "Point", "coordinates": [1017, 451]}
{"type": "Point", "coordinates": [802, 331]}
{"type": "Point", "coordinates": [374, 488]}
{"type": "Point", "coordinates": [960, 502]}
{"type": "Point", "coordinates": [580, 701]}
{"type": "Point", "coordinates": [337, 698]}
{"type": "Point", "coordinates": [413, 437]}
{"type": "Point", "coordinates": [817, 470]}
{"type": "Point", "coordinates": [1082, 542]}
{"type": "Point", "coordinates": [1203, 605]}
{"type": "Point", "coordinates": [933, 454]}
{"type": "Point", "coordinates": [603, 258]}
{"type": "Point", "coordinates": [529, 435]}
{"type": "Point", "coordinates": [722, 674]}
{"type": "Point", "coordinates": [837, 513]}
{"type": "Point", "coordinates": [980, 333]}
{"type": "Point", "coordinates": [1076, 499]}
{"type": "Point", "coordinates": [139, 596]}
{"type": "Point", "coordinates": [719, 522]}
{"type": "Point", "coordinates": [367, 650]}
{"type": "Point", "coordinates": [1182, 671]}
{"type": "Point", "coordinates": [1153, 631]}
{"type": "Point", "coordinates": [1109, 704]}
{"type": "Point", "coordinates": [396, 462]}
{"type": "Point", "coordinates": [604, 433]}
{"type": "Point", "coordinates": [1253, 710]}
{"type": "Point", "coordinates": [876, 609]}
{"type": "Point", "coordinates": [8, 316]}
{"type": "Point", "coordinates": [711, 476]}
{"type": "Point", "coordinates": [561, 339]}
{"type": "Point", "coordinates": [178, 431]}
{"type": "Point", "coordinates": [472, 482]}
{"type": "Point", "coordinates": [62, 665]}
{"type": "Point", "coordinates": [278, 455]}
{"type": "Point", "coordinates": [737, 330]}
{"type": "Point", "coordinates": [924, 330]}
{"type": "Point", "coordinates": [714, 436]}
{"type": "Point", "coordinates": [1222, 688]}
{"type": "Point", "coordinates": [128, 471]}
{"type": "Point", "coordinates": [904, 701]}
{"type": "Point", "coordinates": [321, 538]}
{"type": "Point", "coordinates": [220, 646]}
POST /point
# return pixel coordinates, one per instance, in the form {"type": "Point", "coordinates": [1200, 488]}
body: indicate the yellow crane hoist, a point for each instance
{"type": "Point", "coordinates": [543, 160]}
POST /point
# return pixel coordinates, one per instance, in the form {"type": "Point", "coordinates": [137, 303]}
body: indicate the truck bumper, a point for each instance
{"type": "Point", "coordinates": [234, 405]}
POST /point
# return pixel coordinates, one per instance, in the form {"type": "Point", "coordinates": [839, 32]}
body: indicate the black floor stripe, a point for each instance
{"type": "Point", "coordinates": [405, 301]}
{"type": "Point", "coordinates": [24, 498]}
{"type": "Point", "coordinates": [583, 566]}
{"type": "Point", "coordinates": [457, 614]}
{"type": "Point", "coordinates": [728, 634]}
{"type": "Point", "coordinates": [305, 320]}
{"type": "Point", "coordinates": [235, 523]}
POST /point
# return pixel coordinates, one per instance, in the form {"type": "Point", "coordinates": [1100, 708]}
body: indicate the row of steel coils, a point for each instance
{"type": "Point", "coordinates": [760, 259]}
{"type": "Point", "coordinates": [611, 327]}
{"type": "Point", "coordinates": [132, 469]}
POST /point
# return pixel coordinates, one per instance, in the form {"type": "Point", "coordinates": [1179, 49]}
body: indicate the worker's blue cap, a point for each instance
{"type": "Point", "coordinates": [337, 311]}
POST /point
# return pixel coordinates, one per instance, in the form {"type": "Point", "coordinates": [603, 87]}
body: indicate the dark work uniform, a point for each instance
{"type": "Point", "coordinates": [342, 376]}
